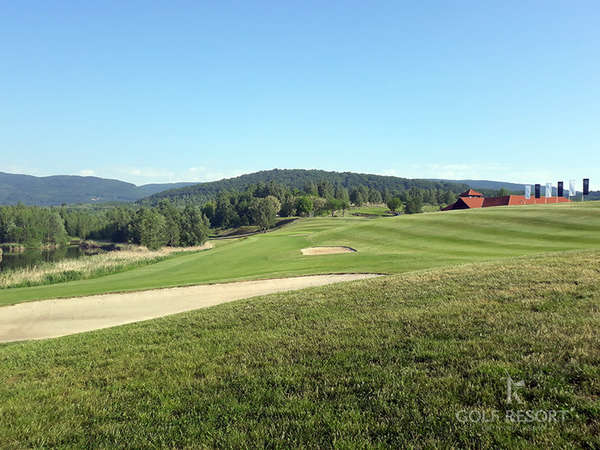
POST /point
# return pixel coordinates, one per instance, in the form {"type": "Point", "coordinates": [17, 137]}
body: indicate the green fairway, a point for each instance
{"type": "Point", "coordinates": [387, 362]}
{"type": "Point", "coordinates": [385, 245]}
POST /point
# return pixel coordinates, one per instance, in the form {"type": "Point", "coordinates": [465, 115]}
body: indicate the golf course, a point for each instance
{"type": "Point", "coordinates": [464, 300]}
{"type": "Point", "coordinates": [385, 245]}
{"type": "Point", "coordinates": [300, 225]}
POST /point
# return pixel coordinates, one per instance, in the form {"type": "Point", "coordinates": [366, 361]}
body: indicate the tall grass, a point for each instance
{"type": "Point", "coordinates": [88, 267]}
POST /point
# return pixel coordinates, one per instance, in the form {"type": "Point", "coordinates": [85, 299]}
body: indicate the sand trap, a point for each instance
{"type": "Point", "coordinates": [54, 318]}
{"type": "Point", "coordinates": [326, 250]}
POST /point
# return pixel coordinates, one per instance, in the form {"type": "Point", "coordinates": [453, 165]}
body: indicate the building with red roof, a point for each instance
{"type": "Point", "coordinates": [470, 194]}
{"type": "Point", "coordinates": [473, 199]}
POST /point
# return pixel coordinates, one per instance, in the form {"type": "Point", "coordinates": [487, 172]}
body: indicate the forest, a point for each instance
{"type": "Point", "coordinates": [234, 209]}
{"type": "Point", "coordinates": [164, 225]}
{"type": "Point", "coordinates": [183, 222]}
{"type": "Point", "coordinates": [297, 179]}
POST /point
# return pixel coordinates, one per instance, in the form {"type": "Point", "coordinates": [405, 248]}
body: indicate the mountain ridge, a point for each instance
{"type": "Point", "coordinates": [296, 179]}
{"type": "Point", "coordinates": [75, 189]}
{"type": "Point", "coordinates": [71, 189]}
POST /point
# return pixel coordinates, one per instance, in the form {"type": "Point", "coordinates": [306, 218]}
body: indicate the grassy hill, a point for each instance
{"type": "Point", "coordinates": [297, 178]}
{"type": "Point", "coordinates": [385, 245]}
{"type": "Point", "coordinates": [392, 362]}
{"type": "Point", "coordinates": [404, 360]}
{"type": "Point", "coordinates": [56, 190]}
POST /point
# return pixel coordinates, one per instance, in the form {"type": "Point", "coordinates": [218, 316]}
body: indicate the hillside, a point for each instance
{"type": "Point", "coordinates": [473, 297]}
{"type": "Point", "coordinates": [297, 179]}
{"type": "Point", "coordinates": [392, 362]}
{"type": "Point", "coordinates": [59, 189]}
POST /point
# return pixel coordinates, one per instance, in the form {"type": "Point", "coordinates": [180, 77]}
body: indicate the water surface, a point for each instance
{"type": "Point", "coordinates": [33, 256]}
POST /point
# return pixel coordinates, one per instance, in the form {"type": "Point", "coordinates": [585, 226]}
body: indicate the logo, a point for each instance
{"type": "Point", "coordinates": [511, 390]}
{"type": "Point", "coordinates": [516, 411]}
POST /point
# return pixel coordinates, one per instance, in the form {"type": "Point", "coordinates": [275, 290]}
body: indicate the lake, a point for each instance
{"type": "Point", "coordinates": [32, 257]}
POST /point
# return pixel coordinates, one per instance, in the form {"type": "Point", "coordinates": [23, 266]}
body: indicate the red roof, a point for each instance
{"type": "Point", "coordinates": [521, 200]}
{"type": "Point", "coordinates": [471, 193]}
{"type": "Point", "coordinates": [509, 200]}
{"type": "Point", "coordinates": [472, 202]}
{"type": "Point", "coordinates": [465, 203]}
{"type": "Point", "coordinates": [497, 201]}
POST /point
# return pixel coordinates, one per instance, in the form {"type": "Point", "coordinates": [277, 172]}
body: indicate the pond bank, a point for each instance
{"type": "Point", "coordinates": [20, 256]}
{"type": "Point", "coordinates": [12, 247]}
{"type": "Point", "coordinates": [90, 266]}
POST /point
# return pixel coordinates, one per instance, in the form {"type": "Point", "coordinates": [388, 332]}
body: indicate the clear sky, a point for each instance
{"type": "Point", "coordinates": [156, 91]}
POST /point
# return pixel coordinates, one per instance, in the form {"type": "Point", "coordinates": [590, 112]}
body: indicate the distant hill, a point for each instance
{"type": "Point", "coordinates": [297, 179]}
{"type": "Point", "coordinates": [56, 190]}
{"type": "Point", "coordinates": [488, 185]}
{"type": "Point", "coordinates": [150, 189]}
{"type": "Point", "coordinates": [70, 189]}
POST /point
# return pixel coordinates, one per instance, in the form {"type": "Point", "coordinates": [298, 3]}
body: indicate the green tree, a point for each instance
{"type": "Point", "coordinates": [310, 188]}
{"type": "Point", "coordinates": [171, 214]}
{"type": "Point", "coordinates": [117, 227]}
{"type": "Point", "coordinates": [304, 206]}
{"type": "Point", "coordinates": [364, 193]}
{"type": "Point", "coordinates": [54, 229]}
{"type": "Point", "coordinates": [341, 193]}
{"type": "Point", "coordinates": [148, 229]}
{"type": "Point", "coordinates": [449, 197]}
{"type": "Point", "coordinates": [226, 215]}
{"type": "Point", "coordinates": [209, 211]}
{"type": "Point", "coordinates": [387, 195]}
{"type": "Point", "coordinates": [194, 227]}
{"type": "Point", "coordinates": [429, 197]}
{"type": "Point", "coordinates": [264, 211]}
{"type": "Point", "coordinates": [288, 206]}
{"type": "Point", "coordinates": [394, 204]}
{"type": "Point", "coordinates": [356, 197]}
{"type": "Point", "coordinates": [325, 189]}
{"type": "Point", "coordinates": [319, 206]}
{"type": "Point", "coordinates": [333, 204]}
{"type": "Point", "coordinates": [345, 204]}
{"type": "Point", "coordinates": [374, 196]}
{"type": "Point", "coordinates": [414, 204]}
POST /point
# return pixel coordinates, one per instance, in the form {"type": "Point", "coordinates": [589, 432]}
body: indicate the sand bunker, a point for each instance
{"type": "Point", "coordinates": [326, 250]}
{"type": "Point", "coordinates": [54, 318]}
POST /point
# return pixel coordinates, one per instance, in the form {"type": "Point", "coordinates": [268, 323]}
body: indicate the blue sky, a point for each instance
{"type": "Point", "coordinates": [192, 91]}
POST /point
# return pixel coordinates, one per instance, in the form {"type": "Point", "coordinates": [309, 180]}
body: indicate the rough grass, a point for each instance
{"type": "Point", "coordinates": [384, 245]}
{"type": "Point", "coordinates": [103, 263]}
{"type": "Point", "coordinates": [380, 363]}
{"type": "Point", "coordinates": [370, 210]}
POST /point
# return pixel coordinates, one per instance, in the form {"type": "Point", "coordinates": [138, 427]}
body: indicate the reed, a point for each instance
{"type": "Point", "coordinates": [103, 263]}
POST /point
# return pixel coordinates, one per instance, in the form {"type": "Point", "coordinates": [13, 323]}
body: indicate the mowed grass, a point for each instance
{"type": "Point", "coordinates": [387, 362]}
{"type": "Point", "coordinates": [385, 245]}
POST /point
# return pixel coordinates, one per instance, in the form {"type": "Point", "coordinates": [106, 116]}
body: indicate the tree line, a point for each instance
{"type": "Point", "coordinates": [28, 224]}
{"type": "Point", "coordinates": [260, 204]}
{"type": "Point", "coordinates": [181, 222]}
{"type": "Point", "coordinates": [153, 227]}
